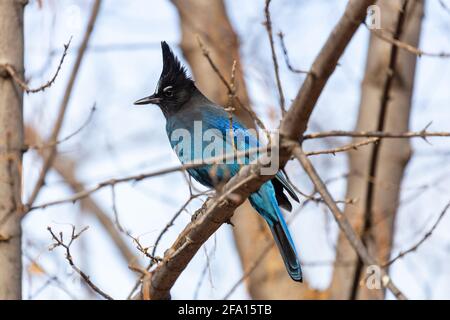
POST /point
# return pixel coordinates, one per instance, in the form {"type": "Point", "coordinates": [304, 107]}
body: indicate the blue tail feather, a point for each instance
{"type": "Point", "coordinates": [286, 247]}
{"type": "Point", "coordinates": [265, 203]}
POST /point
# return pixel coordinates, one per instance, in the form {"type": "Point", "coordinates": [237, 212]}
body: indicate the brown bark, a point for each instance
{"type": "Point", "coordinates": [392, 155]}
{"type": "Point", "coordinates": [209, 20]}
{"type": "Point", "coordinates": [11, 142]}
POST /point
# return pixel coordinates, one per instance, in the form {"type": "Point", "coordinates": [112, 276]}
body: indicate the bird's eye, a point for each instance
{"type": "Point", "coordinates": [168, 92]}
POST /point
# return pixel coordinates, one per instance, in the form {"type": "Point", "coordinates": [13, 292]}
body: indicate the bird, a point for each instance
{"type": "Point", "coordinates": [189, 112]}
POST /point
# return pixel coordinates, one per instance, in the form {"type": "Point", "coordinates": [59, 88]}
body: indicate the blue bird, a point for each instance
{"type": "Point", "coordinates": [190, 117]}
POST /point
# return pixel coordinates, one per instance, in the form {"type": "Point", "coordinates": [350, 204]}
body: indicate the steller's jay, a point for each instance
{"type": "Point", "coordinates": [184, 108]}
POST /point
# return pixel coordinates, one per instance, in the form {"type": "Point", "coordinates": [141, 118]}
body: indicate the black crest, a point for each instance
{"type": "Point", "coordinates": [173, 73]}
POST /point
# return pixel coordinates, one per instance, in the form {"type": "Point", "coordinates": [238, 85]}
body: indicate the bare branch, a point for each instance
{"type": "Point", "coordinates": [343, 222]}
{"type": "Point", "coordinates": [115, 211]}
{"type": "Point", "coordinates": [421, 241]}
{"type": "Point", "coordinates": [12, 72]}
{"type": "Point", "coordinates": [48, 159]}
{"type": "Point", "coordinates": [295, 122]}
{"type": "Point", "coordinates": [406, 46]}
{"type": "Point", "coordinates": [268, 25]}
{"type": "Point", "coordinates": [42, 146]}
{"type": "Point", "coordinates": [352, 146]}
{"type": "Point", "coordinates": [444, 6]}
{"type": "Point", "coordinates": [376, 134]}
{"type": "Point", "coordinates": [286, 56]}
{"type": "Point", "coordinates": [229, 87]}
{"type": "Point", "coordinates": [209, 218]}
{"type": "Point", "coordinates": [158, 239]}
{"type": "Point", "coordinates": [59, 242]}
{"type": "Point", "coordinates": [139, 177]}
{"type": "Point", "coordinates": [214, 160]}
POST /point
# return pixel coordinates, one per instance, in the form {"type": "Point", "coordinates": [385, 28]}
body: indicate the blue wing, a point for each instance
{"type": "Point", "coordinates": [214, 123]}
{"type": "Point", "coordinates": [215, 118]}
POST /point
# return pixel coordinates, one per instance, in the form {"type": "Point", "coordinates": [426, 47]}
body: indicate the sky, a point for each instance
{"type": "Point", "coordinates": [123, 64]}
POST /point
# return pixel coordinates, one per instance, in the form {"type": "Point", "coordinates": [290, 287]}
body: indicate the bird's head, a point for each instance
{"type": "Point", "coordinates": [174, 88]}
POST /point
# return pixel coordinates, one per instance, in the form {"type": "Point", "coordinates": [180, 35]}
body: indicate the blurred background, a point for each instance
{"type": "Point", "coordinates": [123, 62]}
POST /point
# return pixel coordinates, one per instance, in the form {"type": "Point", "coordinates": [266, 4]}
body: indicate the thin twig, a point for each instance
{"type": "Point", "coordinates": [376, 134]}
{"type": "Point", "coordinates": [250, 270]}
{"type": "Point", "coordinates": [158, 239]}
{"type": "Point", "coordinates": [48, 159]}
{"type": "Point", "coordinates": [139, 177]}
{"type": "Point", "coordinates": [421, 241]}
{"type": "Point", "coordinates": [115, 211]}
{"type": "Point", "coordinates": [286, 56]}
{"type": "Point", "coordinates": [59, 242]}
{"type": "Point", "coordinates": [172, 221]}
{"type": "Point", "coordinates": [143, 249]}
{"type": "Point", "coordinates": [444, 6]}
{"type": "Point", "coordinates": [352, 146]}
{"type": "Point", "coordinates": [406, 46]}
{"type": "Point", "coordinates": [66, 138]}
{"type": "Point", "coordinates": [268, 25]}
{"type": "Point", "coordinates": [214, 160]}
{"type": "Point", "coordinates": [343, 222]}
{"type": "Point", "coordinates": [216, 70]}
{"type": "Point", "coordinates": [51, 278]}
{"type": "Point", "coordinates": [230, 107]}
{"type": "Point", "coordinates": [66, 168]}
{"type": "Point", "coordinates": [12, 72]}
{"type": "Point", "coordinates": [206, 270]}
{"type": "Point", "coordinates": [207, 220]}
{"type": "Point", "coordinates": [269, 245]}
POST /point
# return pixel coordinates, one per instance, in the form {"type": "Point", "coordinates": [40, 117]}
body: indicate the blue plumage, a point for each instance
{"type": "Point", "coordinates": [198, 129]}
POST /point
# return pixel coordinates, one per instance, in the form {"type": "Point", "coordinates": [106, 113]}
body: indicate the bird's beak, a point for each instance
{"type": "Point", "coordinates": [147, 100]}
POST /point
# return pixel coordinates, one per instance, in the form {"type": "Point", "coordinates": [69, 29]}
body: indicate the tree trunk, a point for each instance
{"type": "Point", "coordinates": [11, 145]}
{"type": "Point", "coordinates": [392, 155]}
{"type": "Point", "coordinates": [209, 20]}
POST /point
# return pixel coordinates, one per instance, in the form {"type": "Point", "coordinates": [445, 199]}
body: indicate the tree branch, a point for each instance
{"type": "Point", "coordinates": [376, 134]}
{"type": "Point", "coordinates": [296, 120]}
{"type": "Point", "coordinates": [375, 151]}
{"type": "Point", "coordinates": [421, 241]}
{"type": "Point", "coordinates": [17, 78]}
{"type": "Point", "coordinates": [268, 25]}
{"type": "Point", "coordinates": [249, 179]}
{"type": "Point", "coordinates": [59, 242]}
{"type": "Point", "coordinates": [48, 159]}
{"type": "Point", "coordinates": [343, 222]}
